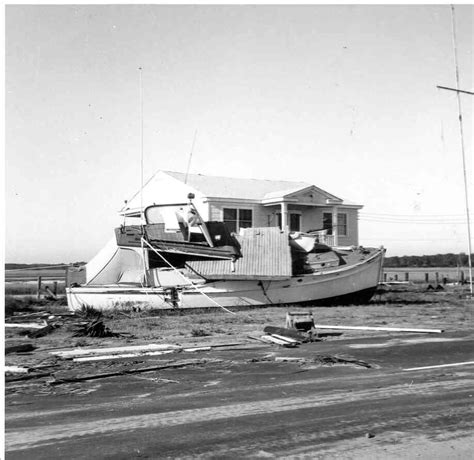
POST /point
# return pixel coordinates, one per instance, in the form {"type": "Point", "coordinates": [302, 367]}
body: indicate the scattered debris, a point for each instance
{"type": "Point", "coordinates": [299, 320]}
{"type": "Point", "coordinates": [339, 360]}
{"type": "Point", "coordinates": [288, 333]}
{"type": "Point", "coordinates": [369, 435]}
{"type": "Point", "coordinates": [89, 323]}
{"type": "Point", "coordinates": [176, 364]}
{"type": "Point", "coordinates": [286, 339]}
{"type": "Point", "coordinates": [279, 341]}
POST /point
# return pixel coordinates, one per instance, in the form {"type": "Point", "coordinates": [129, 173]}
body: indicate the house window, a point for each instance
{"type": "Point", "coordinates": [237, 218]}
{"type": "Point", "coordinates": [327, 222]}
{"type": "Point", "coordinates": [342, 224]}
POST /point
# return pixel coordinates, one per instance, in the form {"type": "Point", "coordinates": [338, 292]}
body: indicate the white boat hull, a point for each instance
{"type": "Point", "coordinates": [347, 284]}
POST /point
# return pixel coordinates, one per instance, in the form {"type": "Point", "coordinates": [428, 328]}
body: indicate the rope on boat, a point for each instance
{"type": "Point", "coordinates": [186, 279]}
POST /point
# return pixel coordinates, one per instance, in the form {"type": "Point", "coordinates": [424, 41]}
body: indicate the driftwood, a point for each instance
{"type": "Point", "coordinates": [81, 378]}
{"type": "Point", "coordinates": [28, 376]}
{"type": "Point", "coordinates": [42, 332]}
{"type": "Point", "coordinates": [21, 348]}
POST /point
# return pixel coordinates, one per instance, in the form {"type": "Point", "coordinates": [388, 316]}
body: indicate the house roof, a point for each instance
{"type": "Point", "coordinates": [231, 187]}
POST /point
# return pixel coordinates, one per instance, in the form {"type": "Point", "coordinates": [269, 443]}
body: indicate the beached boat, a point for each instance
{"type": "Point", "coordinates": [197, 264]}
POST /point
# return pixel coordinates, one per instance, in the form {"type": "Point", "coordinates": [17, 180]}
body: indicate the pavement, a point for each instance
{"type": "Point", "coordinates": [264, 401]}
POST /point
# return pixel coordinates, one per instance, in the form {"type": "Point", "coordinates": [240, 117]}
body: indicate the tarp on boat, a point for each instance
{"type": "Point", "coordinates": [115, 265]}
{"type": "Point", "coordinates": [266, 254]}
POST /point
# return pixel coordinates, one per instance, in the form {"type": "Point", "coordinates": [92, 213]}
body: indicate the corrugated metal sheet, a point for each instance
{"type": "Point", "coordinates": [265, 252]}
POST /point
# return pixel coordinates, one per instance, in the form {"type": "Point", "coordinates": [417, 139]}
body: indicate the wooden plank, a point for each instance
{"type": "Point", "coordinates": [15, 370]}
{"type": "Point", "coordinates": [291, 333]}
{"type": "Point", "coordinates": [25, 325]}
{"type": "Point", "coordinates": [122, 356]}
{"type": "Point", "coordinates": [276, 341]}
{"type": "Point", "coordinates": [113, 350]}
{"type": "Point", "coordinates": [387, 329]}
{"type": "Point", "coordinates": [466, 363]}
{"type": "Point", "coordinates": [286, 339]}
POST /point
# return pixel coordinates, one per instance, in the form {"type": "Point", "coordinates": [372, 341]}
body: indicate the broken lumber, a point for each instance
{"type": "Point", "coordinates": [15, 370]}
{"type": "Point", "coordinates": [122, 356]}
{"type": "Point", "coordinates": [277, 341]}
{"type": "Point", "coordinates": [21, 348]}
{"type": "Point", "coordinates": [42, 332]}
{"type": "Point", "coordinates": [286, 339]}
{"type": "Point", "coordinates": [466, 363]}
{"type": "Point", "coordinates": [282, 359]}
{"type": "Point", "coordinates": [28, 376]}
{"type": "Point", "coordinates": [133, 371]}
{"type": "Point", "coordinates": [387, 329]}
{"type": "Point", "coordinates": [285, 332]}
{"type": "Point", "coordinates": [68, 354]}
{"type": "Point", "coordinates": [26, 325]}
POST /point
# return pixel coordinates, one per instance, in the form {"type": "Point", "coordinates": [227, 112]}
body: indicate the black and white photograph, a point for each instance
{"type": "Point", "coordinates": [238, 231]}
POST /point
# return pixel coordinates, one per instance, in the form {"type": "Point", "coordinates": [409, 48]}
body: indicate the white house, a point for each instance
{"type": "Point", "coordinates": [241, 203]}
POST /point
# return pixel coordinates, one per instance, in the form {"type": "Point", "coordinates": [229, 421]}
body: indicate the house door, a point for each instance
{"type": "Point", "coordinates": [295, 222]}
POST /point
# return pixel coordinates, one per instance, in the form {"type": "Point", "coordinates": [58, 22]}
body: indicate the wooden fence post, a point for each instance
{"type": "Point", "coordinates": [55, 288]}
{"type": "Point", "coordinates": [407, 277]}
{"type": "Point", "coordinates": [38, 296]}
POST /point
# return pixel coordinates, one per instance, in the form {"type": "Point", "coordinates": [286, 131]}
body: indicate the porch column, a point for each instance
{"type": "Point", "coordinates": [284, 216]}
{"type": "Point", "coordinates": [334, 225]}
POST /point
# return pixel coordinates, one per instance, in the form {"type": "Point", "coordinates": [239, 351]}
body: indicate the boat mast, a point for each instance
{"type": "Point", "coordinates": [142, 213]}
{"type": "Point", "coordinates": [190, 156]}
{"type": "Point", "coordinates": [458, 92]}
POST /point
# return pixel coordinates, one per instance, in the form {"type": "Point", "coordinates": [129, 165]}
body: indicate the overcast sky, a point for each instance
{"type": "Point", "coordinates": [343, 97]}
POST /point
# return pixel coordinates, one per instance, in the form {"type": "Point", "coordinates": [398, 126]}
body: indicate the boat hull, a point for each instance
{"type": "Point", "coordinates": [342, 285]}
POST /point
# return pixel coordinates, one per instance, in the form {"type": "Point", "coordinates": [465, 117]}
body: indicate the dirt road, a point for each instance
{"type": "Point", "coordinates": [250, 403]}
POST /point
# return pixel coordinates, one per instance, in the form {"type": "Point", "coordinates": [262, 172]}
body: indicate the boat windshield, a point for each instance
{"type": "Point", "coordinates": [169, 214]}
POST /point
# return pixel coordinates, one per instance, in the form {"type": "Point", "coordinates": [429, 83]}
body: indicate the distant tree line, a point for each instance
{"type": "Point", "coordinates": [438, 260]}
{"type": "Point", "coordinates": [20, 266]}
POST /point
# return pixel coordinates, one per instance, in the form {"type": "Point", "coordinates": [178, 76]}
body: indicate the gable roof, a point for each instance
{"type": "Point", "coordinates": [267, 192]}
{"type": "Point", "coordinates": [231, 187]}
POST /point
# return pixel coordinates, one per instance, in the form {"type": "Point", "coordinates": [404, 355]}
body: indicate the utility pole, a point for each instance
{"type": "Point", "coordinates": [458, 92]}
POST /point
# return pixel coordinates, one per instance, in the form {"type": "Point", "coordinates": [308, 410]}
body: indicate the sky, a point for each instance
{"type": "Point", "coordinates": [343, 97]}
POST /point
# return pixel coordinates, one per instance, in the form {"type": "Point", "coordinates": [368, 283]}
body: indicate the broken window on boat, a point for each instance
{"type": "Point", "coordinates": [236, 219]}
